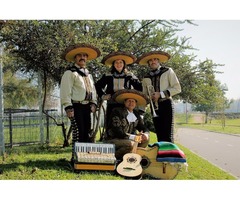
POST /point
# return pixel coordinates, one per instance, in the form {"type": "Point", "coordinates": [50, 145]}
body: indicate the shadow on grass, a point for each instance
{"type": "Point", "coordinates": [38, 149]}
{"type": "Point", "coordinates": [51, 162]}
{"type": "Point", "coordinates": [60, 164]}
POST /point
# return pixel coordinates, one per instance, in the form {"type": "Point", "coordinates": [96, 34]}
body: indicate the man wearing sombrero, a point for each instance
{"type": "Point", "coordinates": [117, 79]}
{"type": "Point", "coordinates": [77, 90]}
{"type": "Point", "coordinates": [165, 84]}
{"type": "Point", "coordinates": [125, 122]}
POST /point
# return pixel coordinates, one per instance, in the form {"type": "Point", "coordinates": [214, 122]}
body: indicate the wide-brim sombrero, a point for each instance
{"type": "Point", "coordinates": [119, 55]}
{"type": "Point", "coordinates": [121, 95]}
{"type": "Point", "coordinates": [162, 56]}
{"type": "Point", "coordinates": [71, 51]}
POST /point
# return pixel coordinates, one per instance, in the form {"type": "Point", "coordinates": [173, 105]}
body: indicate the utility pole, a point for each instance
{"type": "Point", "coordinates": [2, 143]}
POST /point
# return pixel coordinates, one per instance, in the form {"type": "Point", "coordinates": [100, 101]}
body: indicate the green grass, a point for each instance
{"type": "Point", "coordinates": [51, 162]}
{"type": "Point", "coordinates": [229, 126]}
{"type": "Point", "coordinates": [215, 128]}
{"type": "Point", "coordinates": [35, 162]}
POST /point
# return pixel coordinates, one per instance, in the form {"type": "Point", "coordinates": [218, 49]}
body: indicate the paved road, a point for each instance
{"type": "Point", "coordinates": [223, 150]}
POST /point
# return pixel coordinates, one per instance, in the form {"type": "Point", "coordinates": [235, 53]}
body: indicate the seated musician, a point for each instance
{"type": "Point", "coordinates": [125, 122]}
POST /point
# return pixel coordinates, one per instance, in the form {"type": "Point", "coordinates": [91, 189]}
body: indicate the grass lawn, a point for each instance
{"type": "Point", "coordinates": [228, 126]}
{"type": "Point", "coordinates": [50, 162]}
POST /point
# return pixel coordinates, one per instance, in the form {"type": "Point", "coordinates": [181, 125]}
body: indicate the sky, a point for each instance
{"type": "Point", "coordinates": [218, 40]}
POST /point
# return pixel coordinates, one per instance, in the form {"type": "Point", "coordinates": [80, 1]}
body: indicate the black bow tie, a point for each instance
{"type": "Point", "coordinates": [84, 70]}
{"type": "Point", "coordinates": [117, 74]}
{"type": "Point", "coordinates": [154, 72]}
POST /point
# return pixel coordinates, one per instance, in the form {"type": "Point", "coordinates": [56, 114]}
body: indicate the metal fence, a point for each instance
{"type": "Point", "coordinates": [22, 126]}
{"type": "Point", "coordinates": [230, 115]}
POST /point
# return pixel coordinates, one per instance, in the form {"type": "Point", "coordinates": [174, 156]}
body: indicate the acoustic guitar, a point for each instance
{"type": "Point", "coordinates": [158, 170]}
{"type": "Point", "coordinates": [130, 166]}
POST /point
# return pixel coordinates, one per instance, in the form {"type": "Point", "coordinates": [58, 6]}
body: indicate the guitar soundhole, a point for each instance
{"type": "Point", "coordinates": [132, 160]}
{"type": "Point", "coordinates": [145, 162]}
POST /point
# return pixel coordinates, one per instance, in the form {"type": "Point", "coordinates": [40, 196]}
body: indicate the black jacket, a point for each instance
{"type": "Point", "coordinates": [119, 125]}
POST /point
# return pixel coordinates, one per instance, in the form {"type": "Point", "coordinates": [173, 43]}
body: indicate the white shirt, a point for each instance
{"type": "Point", "coordinates": [73, 87]}
{"type": "Point", "coordinates": [131, 117]}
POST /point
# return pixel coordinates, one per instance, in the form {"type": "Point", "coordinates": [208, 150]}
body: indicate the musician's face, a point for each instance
{"type": "Point", "coordinates": [153, 63]}
{"type": "Point", "coordinates": [130, 104]}
{"type": "Point", "coordinates": [119, 64]}
{"type": "Point", "coordinates": [81, 59]}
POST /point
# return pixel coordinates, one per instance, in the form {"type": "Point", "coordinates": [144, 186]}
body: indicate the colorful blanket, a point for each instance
{"type": "Point", "coordinates": [169, 152]}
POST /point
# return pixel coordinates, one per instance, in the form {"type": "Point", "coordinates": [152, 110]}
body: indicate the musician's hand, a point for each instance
{"type": "Point", "coordinates": [145, 137]}
{"type": "Point", "coordinates": [93, 108]}
{"type": "Point", "coordinates": [106, 97]}
{"type": "Point", "coordinates": [70, 113]}
{"type": "Point", "coordinates": [138, 138]}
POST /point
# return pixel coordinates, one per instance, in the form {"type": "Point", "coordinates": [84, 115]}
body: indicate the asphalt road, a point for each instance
{"type": "Point", "coordinates": [222, 150]}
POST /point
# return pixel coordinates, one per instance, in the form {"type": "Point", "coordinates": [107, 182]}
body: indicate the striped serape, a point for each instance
{"type": "Point", "coordinates": [169, 152]}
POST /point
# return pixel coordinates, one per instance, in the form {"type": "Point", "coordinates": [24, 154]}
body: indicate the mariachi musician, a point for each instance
{"type": "Point", "coordinates": [161, 83]}
{"type": "Point", "coordinates": [118, 78]}
{"type": "Point", "coordinates": [125, 122]}
{"type": "Point", "coordinates": [77, 89]}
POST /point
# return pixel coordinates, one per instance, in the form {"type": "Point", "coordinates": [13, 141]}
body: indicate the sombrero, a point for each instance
{"type": "Point", "coordinates": [121, 95]}
{"type": "Point", "coordinates": [71, 51]}
{"type": "Point", "coordinates": [162, 56]}
{"type": "Point", "coordinates": [127, 57]}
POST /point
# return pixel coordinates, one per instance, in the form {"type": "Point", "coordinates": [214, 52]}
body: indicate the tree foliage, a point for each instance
{"type": "Point", "coordinates": [37, 45]}
{"type": "Point", "coordinates": [18, 92]}
{"type": "Point", "coordinates": [210, 93]}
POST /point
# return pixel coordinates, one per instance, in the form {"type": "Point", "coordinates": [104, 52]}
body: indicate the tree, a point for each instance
{"type": "Point", "coordinates": [210, 92]}
{"type": "Point", "coordinates": [37, 45]}
{"type": "Point", "coordinates": [19, 91]}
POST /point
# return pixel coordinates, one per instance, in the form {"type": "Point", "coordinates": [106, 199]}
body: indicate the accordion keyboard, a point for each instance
{"type": "Point", "coordinates": [95, 153]}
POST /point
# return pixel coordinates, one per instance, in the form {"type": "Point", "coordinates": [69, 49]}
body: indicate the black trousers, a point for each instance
{"type": "Point", "coordinates": [164, 123]}
{"type": "Point", "coordinates": [82, 114]}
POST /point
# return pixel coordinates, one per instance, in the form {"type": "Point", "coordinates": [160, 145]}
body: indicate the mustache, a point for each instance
{"type": "Point", "coordinates": [81, 60]}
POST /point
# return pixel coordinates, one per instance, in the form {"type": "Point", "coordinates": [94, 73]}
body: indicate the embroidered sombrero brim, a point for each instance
{"type": "Point", "coordinates": [121, 95]}
{"type": "Point", "coordinates": [119, 55]}
{"type": "Point", "coordinates": [70, 52]}
{"type": "Point", "coordinates": [162, 56]}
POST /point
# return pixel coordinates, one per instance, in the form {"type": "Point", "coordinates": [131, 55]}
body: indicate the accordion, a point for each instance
{"type": "Point", "coordinates": [94, 156]}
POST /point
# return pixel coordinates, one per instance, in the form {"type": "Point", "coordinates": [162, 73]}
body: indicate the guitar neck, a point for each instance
{"type": "Point", "coordinates": [135, 145]}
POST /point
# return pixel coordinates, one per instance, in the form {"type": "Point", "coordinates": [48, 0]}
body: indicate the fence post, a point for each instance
{"type": "Point", "coordinates": [40, 108]}
{"type": "Point", "coordinates": [47, 121]}
{"type": "Point", "coordinates": [2, 143]}
{"type": "Point", "coordinates": [10, 128]}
